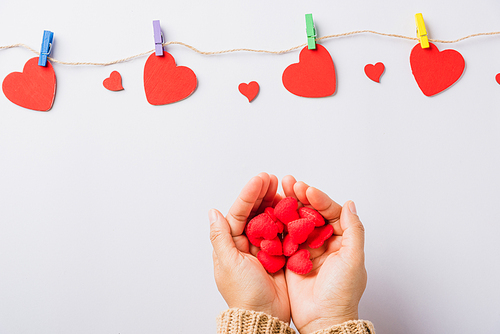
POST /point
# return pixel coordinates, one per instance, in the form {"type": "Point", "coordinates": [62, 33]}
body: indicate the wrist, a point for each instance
{"type": "Point", "coordinates": [241, 321]}
{"type": "Point", "coordinates": [327, 322]}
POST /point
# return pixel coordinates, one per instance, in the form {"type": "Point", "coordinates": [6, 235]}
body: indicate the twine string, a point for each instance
{"type": "Point", "coordinates": [244, 49]}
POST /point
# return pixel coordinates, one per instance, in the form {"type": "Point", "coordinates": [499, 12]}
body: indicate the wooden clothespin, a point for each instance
{"type": "Point", "coordinates": [48, 37]}
{"type": "Point", "coordinates": [158, 38]}
{"type": "Point", "coordinates": [311, 32]}
{"type": "Point", "coordinates": [421, 31]}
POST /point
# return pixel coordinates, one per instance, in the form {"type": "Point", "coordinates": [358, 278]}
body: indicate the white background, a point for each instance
{"type": "Point", "coordinates": [104, 199]}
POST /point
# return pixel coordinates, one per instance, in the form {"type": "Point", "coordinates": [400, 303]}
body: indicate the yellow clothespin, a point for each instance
{"type": "Point", "coordinates": [421, 31]}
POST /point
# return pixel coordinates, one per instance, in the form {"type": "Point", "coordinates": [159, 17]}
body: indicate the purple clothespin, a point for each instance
{"type": "Point", "coordinates": [158, 38]}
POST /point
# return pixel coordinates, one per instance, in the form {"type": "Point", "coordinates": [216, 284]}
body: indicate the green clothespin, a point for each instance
{"type": "Point", "coordinates": [311, 32]}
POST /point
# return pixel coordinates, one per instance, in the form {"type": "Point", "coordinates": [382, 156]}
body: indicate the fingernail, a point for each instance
{"type": "Point", "coordinates": [352, 207]}
{"type": "Point", "coordinates": [212, 216]}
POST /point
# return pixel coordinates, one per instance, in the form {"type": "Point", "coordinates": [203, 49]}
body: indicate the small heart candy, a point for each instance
{"type": "Point", "coordinates": [286, 210]}
{"type": "Point", "coordinates": [261, 227]}
{"type": "Point", "coordinates": [289, 247]}
{"type": "Point", "coordinates": [250, 90]}
{"type": "Point", "coordinates": [272, 263]}
{"type": "Point", "coordinates": [497, 78]}
{"type": "Point", "coordinates": [300, 262]}
{"type": "Point", "coordinates": [299, 229]}
{"type": "Point", "coordinates": [313, 215]}
{"type": "Point", "coordinates": [270, 212]}
{"type": "Point", "coordinates": [319, 236]}
{"type": "Point", "coordinates": [114, 82]}
{"type": "Point", "coordinates": [272, 247]}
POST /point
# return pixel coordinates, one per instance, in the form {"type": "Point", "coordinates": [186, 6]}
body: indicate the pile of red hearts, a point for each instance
{"type": "Point", "coordinates": [283, 234]}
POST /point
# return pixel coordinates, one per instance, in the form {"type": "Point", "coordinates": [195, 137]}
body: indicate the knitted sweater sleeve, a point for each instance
{"type": "Point", "coordinates": [238, 321]}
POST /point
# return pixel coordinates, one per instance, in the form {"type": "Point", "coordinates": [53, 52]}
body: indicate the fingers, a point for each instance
{"type": "Point", "coordinates": [220, 236]}
{"type": "Point", "coordinates": [244, 204]}
{"type": "Point", "coordinates": [353, 237]}
{"type": "Point", "coordinates": [271, 192]}
{"type": "Point", "coordinates": [266, 180]}
{"type": "Point", "coordinates": [327, 207]}
{"type": "Point", "coordinates": [287, 184]}
{"type": "Point", "coordinates": [300, 189]}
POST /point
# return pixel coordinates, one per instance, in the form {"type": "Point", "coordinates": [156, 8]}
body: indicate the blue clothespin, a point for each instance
{"type": "Point", "coordinates": [158, 38]}
{"type": "Point", "coordinates": [311, 32]}
{"type": "Point", "coordinates": [48, 37]}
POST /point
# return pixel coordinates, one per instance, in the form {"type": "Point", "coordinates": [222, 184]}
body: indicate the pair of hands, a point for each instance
{"type": "Point", "coordinates": [326, 296]}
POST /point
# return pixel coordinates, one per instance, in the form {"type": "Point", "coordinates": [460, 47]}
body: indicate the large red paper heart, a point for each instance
{"type": "Point", "coordinates": [34, 88]}
{"type": "Point", "coordinates": [435, 70]}
{"type": "Point", "coordinates": [250, 90]}
{"type": "Point", "coordinates": [114, 82]}
{"type": "Point", "coordinates": [165, 82]}
{"type": "Point", "coordinates": [313, 75]}
{"type": "Point", "coordinates": [374, 71]}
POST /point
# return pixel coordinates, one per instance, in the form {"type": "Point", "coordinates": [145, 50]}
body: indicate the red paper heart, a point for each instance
{"type": "Point", "coordinates": [497, 78]}
{"type": "Point", "coordinates": [313, 75]}
{"type": "Point", "coordinates": [34, 88]}
{"type": "Point", "coordinates": [250, 90]}
{"type": "Point", "coordinates": [114, 82]}
{"type": "Point", "coordinates": [374, 71]}
{"type": "Point", "coordinates": [165, 82]}
{"type": "Point", "coordinates": [435, 71]}
{"type": "Point", "coordinates": [300, 262]}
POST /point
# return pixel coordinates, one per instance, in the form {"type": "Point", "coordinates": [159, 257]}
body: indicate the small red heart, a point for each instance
{"type": "Point", "coordinates": [313, 75]}
{"type": "Point", "coordinates": [261, 227]}
{"type": "Point", "coordinates": [270, 211]}
{"type": "Point", "coordinates": [250, 90]}
{"type": "Point", "coordinates": [435, 70]}
{"type": "Point", "coordinates": [313, 215]}
{"type": "Point", "coordinates": [319, 236]}
{"type": "Point", "coordinates": [272, 263]}
{"type": "Point", "coordinates": [289, 247]}
{"type": "Point", "coordinates": [374, 71]}
{"type": "Point", "coordinates": [300, 262]}
{"type": "Point", "coordinates": [114, 82]}
{"type": "Point", "coordinates": [165, 82]}
{"type": "Point", "coordinates": [497, 78]}
{"type": "Point", "coordinates": [272, 247]}
{"type": "Point", "coordinates": [34, 88]}
{"type": "Point", "coordinates": [300, 229]}
{"type": "Point", "coordinates": [286, 210]}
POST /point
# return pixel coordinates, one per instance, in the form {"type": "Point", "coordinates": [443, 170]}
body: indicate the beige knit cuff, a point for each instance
{"type": "Point", "coordinates": [350, 327]}
{"type": "Point", "coordinates": [238, 321]}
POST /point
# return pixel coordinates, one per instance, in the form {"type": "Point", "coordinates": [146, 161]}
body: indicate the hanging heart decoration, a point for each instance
{"type": "Point", "coordinates": [250, 90]}
{"type": "Point", "coordinates": [34, 88]}
{"type": "Point", "coordinates": [435, 70]}
{"type": "Point", "coordinates": [165, 82]}
{"type": "Point", "coordinates": [374, 71]}
{"type": "Point", "coordinates": [313, 75]}
{"type": "Point", "coordinates": [114, 82]}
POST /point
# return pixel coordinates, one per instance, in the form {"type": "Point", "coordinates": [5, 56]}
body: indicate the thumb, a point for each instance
{"type": "Point", "coordinates": [220, 236]}
{"type": "Point", "coordinates": [353, 232]}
